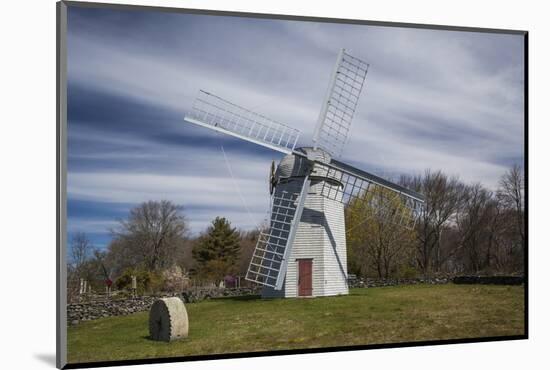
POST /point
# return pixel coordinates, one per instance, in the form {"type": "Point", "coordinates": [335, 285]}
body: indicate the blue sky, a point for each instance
{"type": "Point", "coordinates": [433, 99]}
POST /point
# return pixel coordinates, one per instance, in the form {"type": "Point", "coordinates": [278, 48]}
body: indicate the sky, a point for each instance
{"type": "Point", "coordinates": [432, 99]}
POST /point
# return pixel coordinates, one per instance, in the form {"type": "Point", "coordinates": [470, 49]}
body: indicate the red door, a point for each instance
{"type": "Point", "coordinates": [304, 278]}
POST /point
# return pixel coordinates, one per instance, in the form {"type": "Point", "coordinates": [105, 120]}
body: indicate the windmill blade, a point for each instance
{"type": "Point", "coordinates": [369, 193]}
{"type": "Point", "coordinates": [340, 103]}
{"type": "Point", "coordinates": [218, 114]}
{"type": "Point", "coordinates": [270, 258]}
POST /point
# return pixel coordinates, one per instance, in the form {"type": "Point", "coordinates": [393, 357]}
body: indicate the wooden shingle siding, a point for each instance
{"type": "Point", "coordinates": [335, 254]}
{"type": "Point", "coordinates": [326, 249]}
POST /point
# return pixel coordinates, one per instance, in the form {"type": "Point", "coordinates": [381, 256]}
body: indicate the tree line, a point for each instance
{"type": "Point", "coordinates": [463, 228]}
{"type": "Point", "coordinates": [154, 244]}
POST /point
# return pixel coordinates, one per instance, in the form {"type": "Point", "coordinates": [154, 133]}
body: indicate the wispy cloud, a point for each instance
{"type": "Point", "coordinates": [433, 99]}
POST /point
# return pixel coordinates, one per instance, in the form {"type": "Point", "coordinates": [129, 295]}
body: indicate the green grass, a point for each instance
{"type": "Point", "coordinates": [366, 316]}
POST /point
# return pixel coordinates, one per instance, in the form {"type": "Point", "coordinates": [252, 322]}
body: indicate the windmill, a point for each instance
{"type": "Point", "coordinates": [303, 253]}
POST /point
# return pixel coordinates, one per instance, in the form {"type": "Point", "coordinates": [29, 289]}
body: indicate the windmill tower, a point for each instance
{"type": "Point", "coordinates": [303, 253]}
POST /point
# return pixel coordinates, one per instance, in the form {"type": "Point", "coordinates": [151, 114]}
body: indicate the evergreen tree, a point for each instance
{"type": "Point", "coordinates": [217, 252]}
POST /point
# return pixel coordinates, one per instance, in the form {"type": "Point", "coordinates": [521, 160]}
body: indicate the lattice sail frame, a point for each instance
{"type": "Point", "coordinates": [269, 260]}
{"type": "Point", "coordinates": [384, 200]}
{"type": "Point", "coordinates": [340, 103]}
{"type": "Point", "coordinates": [213, 112]}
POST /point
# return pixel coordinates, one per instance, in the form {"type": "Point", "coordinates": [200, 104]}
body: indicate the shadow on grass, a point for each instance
{"type": "Point", "coordinates": [148, 338]}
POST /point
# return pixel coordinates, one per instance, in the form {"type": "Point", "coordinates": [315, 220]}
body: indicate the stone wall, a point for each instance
{"type": "Point", "coordinates": [95, 309]}
{"type": "Point", "coordinates": [374, 282]}
{"type": "Point", "coordinates": [500, 280]}
{"type": "Point", "coordinates": [77, 312]}
{"type": "Point", "coordinates": [196, 295]}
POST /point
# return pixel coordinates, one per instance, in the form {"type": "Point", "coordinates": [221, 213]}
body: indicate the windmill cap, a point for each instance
{"type": "Point", "coordinates": [293, 165]}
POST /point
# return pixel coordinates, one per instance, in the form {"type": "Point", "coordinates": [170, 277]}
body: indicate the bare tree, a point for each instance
{"type": "Point", "coordinates": [81, 250]}
{"type": "Point", "coordinates": [473, 222]}
{"type": "Point", "coordinates": [469, 228]}
{"type": "Point", "coordinates": [151, 236]}
{"type": "Point", "coordinates": [443, 198]}
{"type": "Point", "coordinates": [494, 230]}
{"type": "Point", "coordinates": [511, 193]}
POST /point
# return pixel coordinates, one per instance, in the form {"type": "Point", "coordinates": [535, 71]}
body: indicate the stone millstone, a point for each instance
{"type": "Point", "coordinates": [168, 320]}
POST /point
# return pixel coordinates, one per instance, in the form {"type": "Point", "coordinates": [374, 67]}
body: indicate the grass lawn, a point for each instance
{"type": "Point", "coordinates": [366, 316]}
